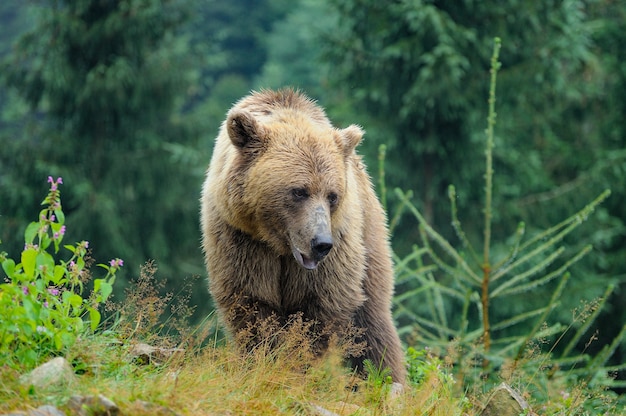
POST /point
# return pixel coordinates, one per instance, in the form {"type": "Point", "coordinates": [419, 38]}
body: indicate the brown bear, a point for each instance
{"type": "Point", "coordinates": [291, 225]}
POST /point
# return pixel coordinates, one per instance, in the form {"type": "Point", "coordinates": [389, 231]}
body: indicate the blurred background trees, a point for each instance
{"type": "Point", "coordinates": [124, 98]}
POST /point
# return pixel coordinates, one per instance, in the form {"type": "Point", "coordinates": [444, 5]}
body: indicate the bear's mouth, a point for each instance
{"type": "Point", "coordinates": [308, 263]}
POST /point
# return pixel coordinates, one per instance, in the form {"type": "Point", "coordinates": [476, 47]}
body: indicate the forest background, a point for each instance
{"type": "Point", "coordinates": [123, 99]}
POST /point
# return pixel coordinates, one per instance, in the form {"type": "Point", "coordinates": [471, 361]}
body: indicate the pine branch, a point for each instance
{"type": "Point", "coordinates": [457, 225]}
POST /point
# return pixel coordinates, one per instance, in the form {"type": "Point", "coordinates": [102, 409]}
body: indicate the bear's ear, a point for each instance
{"type": "Point", "coordinates": [243, 130]}
{"type": "Point", "coordinates": [351, 137]}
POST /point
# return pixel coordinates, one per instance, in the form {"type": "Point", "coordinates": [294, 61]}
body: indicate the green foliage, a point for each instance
{"type": "Point", "coordinates": [105, 84]}
{"type": "Point", "coordinates": [458, 288]}
{"type": "Point", "coordinates": [422, 364]}
{"type": "Point", "coordinates": [417, 73]}
{"type": "Point", "coordinates": [42, 310]}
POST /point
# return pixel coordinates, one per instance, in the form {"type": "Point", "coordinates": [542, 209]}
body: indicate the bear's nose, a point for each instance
{"type": "Point", "coordinates": [321, 246]}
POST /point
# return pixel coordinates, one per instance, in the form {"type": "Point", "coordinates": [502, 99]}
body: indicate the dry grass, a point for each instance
{"type": "Point", "coordinates": [219, 380]}
{"type": "Point", "coordinates": [283, 375]}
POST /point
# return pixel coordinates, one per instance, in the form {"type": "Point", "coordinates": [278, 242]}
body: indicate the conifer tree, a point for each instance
{"type": "Point", "coordinates": [104, 79]}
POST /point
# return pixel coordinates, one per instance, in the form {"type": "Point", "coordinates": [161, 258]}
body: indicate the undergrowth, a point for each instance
{"type": "Point", "coordinates": [448, 297]}
{"type": "Point", "coordinates": [212, 376]}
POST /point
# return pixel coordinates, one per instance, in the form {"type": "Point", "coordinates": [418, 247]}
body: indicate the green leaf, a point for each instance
{"type": "Point", "coordinates": [75, 300]}
{"type": "Point", "coordinates": [105, 289]}
{"type": "Point", "coordinates": [59, 272]}
{"type": "Point", "coordinates": [45, 262]}
{"type": "Point", "coordinates": [29, 257]}
{"type": "Point", "coordinates": [60, 216]}
{"type": "Point", "coordinates": [9, 267]}
{"type": "Point", "coordinates": [31, 232]}
{"type": "Point", "coordinates": [94, 318]}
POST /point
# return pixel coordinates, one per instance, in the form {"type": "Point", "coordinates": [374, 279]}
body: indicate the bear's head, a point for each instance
{"type": "Point", "coordinates": [293, 181]}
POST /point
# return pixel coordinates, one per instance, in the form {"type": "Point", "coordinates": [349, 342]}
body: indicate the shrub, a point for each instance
{"type": "Point", "coordinates": [42, 308]}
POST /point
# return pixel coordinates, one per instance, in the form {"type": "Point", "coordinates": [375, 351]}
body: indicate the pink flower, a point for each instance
{"type": "Point", "coordinates": [116, 263]}
{"type": "Point", "coordinates": [60, 233]}
{"type": "Point", "coordinates": [54, 184]}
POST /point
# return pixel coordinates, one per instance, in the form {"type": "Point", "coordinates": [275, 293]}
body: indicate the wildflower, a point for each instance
{"type": "Point", "coordinates": [53, 291]}
{"type": "Point", "coordinates": [54, 184]}
{"type": "Point", "coordinates": [81, 248]}
{"type": "Point", "coordinates": [59, 233]}
{"type": "Point", "coordinates": [116, 263]}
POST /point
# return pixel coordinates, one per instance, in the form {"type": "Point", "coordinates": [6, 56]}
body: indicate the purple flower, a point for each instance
{"type": "Point", "coordinates": [25, 290]}
{"type": "Point", "coordinates": [60, 233]}
{"type": "Point", "coordinates": [116, 263]}
{"type": "Point", "coordinates": [54, 291]}
{"type": "Point", "coordinates": [54, 184]}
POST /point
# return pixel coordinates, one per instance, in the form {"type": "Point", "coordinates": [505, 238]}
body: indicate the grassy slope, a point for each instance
{"type": "Point", "coordinates": [219, 380]}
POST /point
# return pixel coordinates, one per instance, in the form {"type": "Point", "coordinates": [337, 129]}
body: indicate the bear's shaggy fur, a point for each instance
{"type": "Point", "coordinates": [291, 225]}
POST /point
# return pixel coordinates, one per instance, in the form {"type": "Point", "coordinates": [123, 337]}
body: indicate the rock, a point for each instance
{"type": "Point", "coordinates": [395, 391]}
{"type": "Point", "coordinates": [336, 409]}
{"type": "Point", "coordinates": [93, 406]}
{"type": "Point", "coordinates": [147, 354]}
{"type": "Point", "coordinates": [55, 372]}
{"type": "Point", "coordinates": [320, 411]}
{"type": "Point", "coordinates": [152, 409]}
{"type": "Point", "coordinates": [505, 401]}
{"type": "Point", "coordinates": [40, 411]}
{"type": "Point", "coordinates": [46, 411]}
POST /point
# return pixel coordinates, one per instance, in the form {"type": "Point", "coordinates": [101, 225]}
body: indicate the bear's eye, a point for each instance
{"type": "Point", "coordinates": [333, 199]}
{"type": "Point", "coordinates": [299, 194]}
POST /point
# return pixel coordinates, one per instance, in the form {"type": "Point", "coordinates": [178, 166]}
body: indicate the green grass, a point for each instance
{"type": "Point", "coordinates": [221, 380]}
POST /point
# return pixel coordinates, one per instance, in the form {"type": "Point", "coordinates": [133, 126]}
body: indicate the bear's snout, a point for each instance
{"type": "Point", "coordinates": [321, 246]}
{"type": "Point", "coordinates": [322, 241]}
{"type": "Point", "coordinates": [314, 241]}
